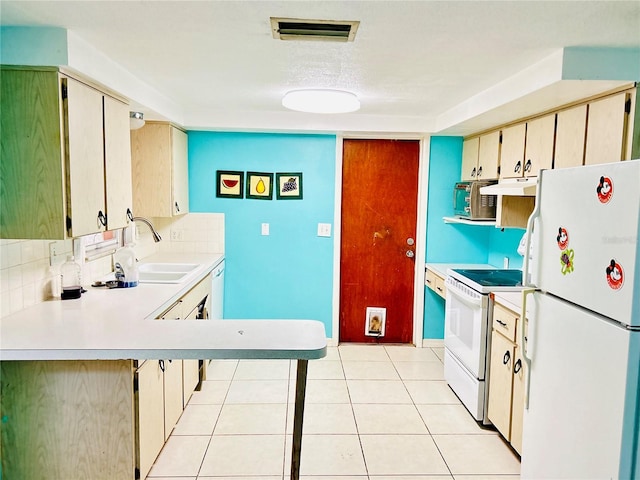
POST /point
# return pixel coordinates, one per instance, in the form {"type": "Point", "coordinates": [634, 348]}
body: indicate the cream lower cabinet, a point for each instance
{"type": "Point", "coordinates": [66, 157]}
{"type": "Point", "coordinates": [435, 282]}
{"type": "Point", "coordinates": [506, 376]}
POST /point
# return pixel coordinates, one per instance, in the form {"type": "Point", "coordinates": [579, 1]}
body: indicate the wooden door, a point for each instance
{"type": "Point", "coordinates": [501, 383]}
{"type": "Point", "coordinates": [378, 234]}
{"type": "Point", "coordinates": [180, 172]}
{"type": "Point", "coordinates": [470, 149]}
{"type": "Point", "coordinates": [489, 156]}
{"type": "Point", "coordinates": [150, 415]}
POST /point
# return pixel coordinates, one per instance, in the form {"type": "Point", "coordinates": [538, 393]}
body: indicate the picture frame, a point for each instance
{"type": "Point", "coordinates": [375, 321]}
{"type": "Point", "coordinates": [229, 184]}
{"type": "Point", "coordinates": [289, 186]}
{"type": "Point", "coordinates": [260, 185]}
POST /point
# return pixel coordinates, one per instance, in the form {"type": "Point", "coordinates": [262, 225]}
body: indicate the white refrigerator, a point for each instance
{"type": "Point", "coordinates": [582, 413]}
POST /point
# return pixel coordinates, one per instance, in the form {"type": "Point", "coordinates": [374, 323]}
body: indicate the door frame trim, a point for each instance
{"type": "Point", "coordinates": [421, 231]}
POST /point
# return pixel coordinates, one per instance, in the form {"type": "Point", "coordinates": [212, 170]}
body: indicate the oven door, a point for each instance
{"type": "Point", "coordinates": [466, 319]}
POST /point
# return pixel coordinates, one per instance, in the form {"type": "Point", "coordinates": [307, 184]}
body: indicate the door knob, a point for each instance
{"type": "Point", "coordinates": [410, 241]}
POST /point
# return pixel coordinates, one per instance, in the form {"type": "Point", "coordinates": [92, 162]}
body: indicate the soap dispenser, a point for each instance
{"type": "Point", "coordinates": [71, 279]}
{"type": "Point", "coordinates": [126, 267]}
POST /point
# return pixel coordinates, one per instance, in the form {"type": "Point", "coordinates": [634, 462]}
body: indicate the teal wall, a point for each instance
{"type": "Point", "coordinates": [33, 46]}
{"type": "Point", "coordinates": [288, 274]}
{"type": "Point", "coordinates": [457, 243]}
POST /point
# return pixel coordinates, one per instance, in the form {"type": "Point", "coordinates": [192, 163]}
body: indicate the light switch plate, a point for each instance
{"type": "Point", "coordinates": [265, 229]}
{"type": "Point", "coordinates": [324, 229]}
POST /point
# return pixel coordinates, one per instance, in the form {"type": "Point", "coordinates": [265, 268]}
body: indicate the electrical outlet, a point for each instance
{"type": "Point", "coordinates": [265, 229]}
{"type": "Point", "coordinates": [324, 229]}
{"type": "Point", "coordinates": [176, 235]}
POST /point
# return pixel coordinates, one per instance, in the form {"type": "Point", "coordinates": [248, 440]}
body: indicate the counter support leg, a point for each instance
{"type": "Point", "coordinates": [298, 414]}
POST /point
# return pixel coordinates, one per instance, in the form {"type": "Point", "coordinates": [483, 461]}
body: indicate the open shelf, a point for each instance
{"type": "Point", "coordinates": [466, 221]}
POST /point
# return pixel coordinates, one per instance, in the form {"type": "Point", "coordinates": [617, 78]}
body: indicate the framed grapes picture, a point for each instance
{"type": "Point", "coordinates": [229, 184]}
{"type": "Point", "coordinates": [289, 186]}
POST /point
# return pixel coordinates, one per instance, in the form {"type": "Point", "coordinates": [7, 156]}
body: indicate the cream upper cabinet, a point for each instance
{"type": "Point", "coordinates": [606, 129]}
{"type": "Point", "coordinates": [539, 145]}
{"type": "Point", "coordinates": [58, 134]}
{"type": "Point", "coordinates": [527, 147]}
{"type": "Point", "coordinates": [512, 153]}
{"type": "Point", "coordinates": [160, 170]}
{"type": "Point", "coordinates": [571, 128]}
{"type": "Point", "coordinates": [470, 149]}
{"type": "Point", "coordinates": [480, 157]}
{"type": "Point", "coordinates": [489, 156]}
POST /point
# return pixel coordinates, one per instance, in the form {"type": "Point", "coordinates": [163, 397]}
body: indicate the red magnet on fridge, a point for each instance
{"type": "Point", "coordinates": [562, 238]}
{"type": "Point", "coordinates": [615, 275]}
{"type": "Point", "coordinates": [604, 189]}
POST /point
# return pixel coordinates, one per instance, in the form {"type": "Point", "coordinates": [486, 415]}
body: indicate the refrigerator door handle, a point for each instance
{"type": "Point", "coordinates": [527, 246]}
{"type": "Point", "coordinates": [525, 342]}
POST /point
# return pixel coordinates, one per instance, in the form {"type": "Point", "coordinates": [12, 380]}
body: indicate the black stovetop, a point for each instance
{"type": "Point", "coordinates": [493, 278]}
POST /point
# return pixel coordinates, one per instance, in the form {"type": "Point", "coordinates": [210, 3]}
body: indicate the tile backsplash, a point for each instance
{"type": "Point", "coordinates": [26, 273]}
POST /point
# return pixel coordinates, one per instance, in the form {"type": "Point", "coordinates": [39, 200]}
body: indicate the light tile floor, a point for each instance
{"type": "Point", "coordinates": [372, 413]}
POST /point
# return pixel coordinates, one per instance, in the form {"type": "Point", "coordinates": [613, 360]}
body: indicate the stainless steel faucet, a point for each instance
{"type": "Point", "coordinates": [156, 235]}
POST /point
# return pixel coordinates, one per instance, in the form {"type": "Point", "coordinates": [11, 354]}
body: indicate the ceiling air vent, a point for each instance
{"type": "Point", "coordinates": [325, 30]}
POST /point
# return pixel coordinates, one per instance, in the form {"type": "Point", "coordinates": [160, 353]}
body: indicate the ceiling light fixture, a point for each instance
{"type": "Point", "coordinates": [321, 101]}
{"type": "Point", "coordinates": [136, 120]}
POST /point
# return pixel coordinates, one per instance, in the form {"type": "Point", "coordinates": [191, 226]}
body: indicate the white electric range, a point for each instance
{"type": "Point", "coordinates": [467, 335]}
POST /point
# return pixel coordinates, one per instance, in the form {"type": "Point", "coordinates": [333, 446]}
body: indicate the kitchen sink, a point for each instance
{"type": "Point", "coordinates": [165, 272]}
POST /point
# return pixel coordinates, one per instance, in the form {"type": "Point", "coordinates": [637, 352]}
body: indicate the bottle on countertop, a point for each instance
{"type": "Point", "coordinates": [126, 267]}
{"type": "Point", "coordinates": [71, 279]}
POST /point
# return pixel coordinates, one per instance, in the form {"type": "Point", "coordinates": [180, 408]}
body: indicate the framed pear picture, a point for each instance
{"type": "Point", "coordinates": [229, 184]}
{"type": "Point", "coordinates": [289, 186]}
{"type": "Point", "coordinates": [260, 185]}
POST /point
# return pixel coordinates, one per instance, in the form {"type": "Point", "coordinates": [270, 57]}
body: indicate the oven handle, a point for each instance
{"type": "Point", "coordinates": [473, 301]}
{"type": "Point", "coordinates": [525, 342]}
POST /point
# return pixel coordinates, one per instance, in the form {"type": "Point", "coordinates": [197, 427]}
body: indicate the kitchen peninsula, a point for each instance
{"type": "Point", "coordinates": [70, 398]}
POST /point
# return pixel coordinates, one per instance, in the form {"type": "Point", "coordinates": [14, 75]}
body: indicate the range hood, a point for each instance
{"type": "Point", "coordinates": [516, 187]}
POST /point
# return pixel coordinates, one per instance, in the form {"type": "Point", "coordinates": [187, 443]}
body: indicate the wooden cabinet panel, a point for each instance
{"type": "Point", "coordinates": [190, 370]}
{"type": "Point", "coordinates": [117, 161]}
{"type": "Point", "coordinates": [470, 150]}
{"type": "Point", "coordinates": [517, 401]}
{"type": "Point", "coordinates": [180, 184]}
{"type": "Point", "coordinates": [570, 136]}
{"type": "Point", "coordinates": [150, 415]}
{"type": "Point", "coordinates": [489, 156]}
{"type": "Point", "coordinates": [501, 383]}
{"type": "Point", "coordinates": [436, 283]}
{"type": "Point", "coordinates": [172, 394]}
{"type": "Point", "coordinates": [32, 167]}
{"type": "Point", "coordinates": [159, 170]}
{"type": "Point", "coordinates": [85, 187]}
{"type": "Point", "coordinates": [43, 404]}
{"type": "Point", "coordinates": [512, 151]}
{"type": "Point", "coordinates": [504, 321]}
{"type": "Point", "coordinates": [606, 127]}
{"type": "Point", "coordinates": [539, 144]}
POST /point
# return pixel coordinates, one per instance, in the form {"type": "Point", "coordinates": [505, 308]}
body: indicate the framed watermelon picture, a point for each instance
{"type": "Point", "coordinates": [229, 184]}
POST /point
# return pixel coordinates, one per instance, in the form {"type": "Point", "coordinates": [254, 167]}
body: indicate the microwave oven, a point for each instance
{"type": "Point", "coordinates": [469, 203]}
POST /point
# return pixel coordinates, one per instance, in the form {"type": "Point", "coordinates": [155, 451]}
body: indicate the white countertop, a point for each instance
{"type": "Point", "coordinates": [510, 300]}
{"type": "Point", "coordinates": [120, 324]}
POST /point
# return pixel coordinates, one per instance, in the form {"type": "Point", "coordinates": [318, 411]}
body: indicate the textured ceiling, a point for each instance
{"type": "Point", "coordinates": [410, 61]}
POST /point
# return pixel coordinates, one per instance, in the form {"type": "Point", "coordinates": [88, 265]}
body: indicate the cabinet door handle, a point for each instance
{"type": "Point", "coordinates": [177, 208]}
{"type": "Point", "coordinates": [527, 166]}
{"type": "Point", "coordinates": [518, 366]}
{"type": "Point", "coordinates": [504, 324]}
{"type": "Point", "coordinates": [473, 172]}
{"type": "Point", "coordinates": [439, 289]}
{"type": "Point", "coordinates": [518, 166]}
{"type": "Point", "coordinates": [102, 219]}
{"type": "Point", "coordinates": [129, 215]}
{"type": "Point", "coordinates": [480, 171]}
{"type": "Point", "coordinates": [161, 364]}
{"type": "Point", "coordinates": [506, 357]}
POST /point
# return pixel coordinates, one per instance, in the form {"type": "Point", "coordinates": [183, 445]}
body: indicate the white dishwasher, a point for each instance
{"type": "Point", "coordinates": [217, 292]}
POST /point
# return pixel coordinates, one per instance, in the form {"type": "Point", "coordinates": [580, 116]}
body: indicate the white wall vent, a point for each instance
{"type": "Point", "coordinates": [324, 30]}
